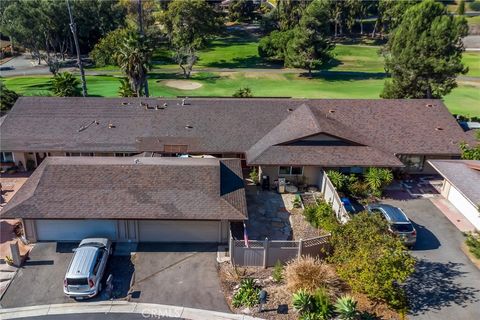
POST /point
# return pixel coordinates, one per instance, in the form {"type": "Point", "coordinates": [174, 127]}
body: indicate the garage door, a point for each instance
{"type": "Point", "coordinates": [178, 231]}
{"type": "Point", "coordinates": [59, 230]}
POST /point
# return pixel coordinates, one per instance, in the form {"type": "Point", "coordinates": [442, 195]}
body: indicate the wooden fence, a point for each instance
{"type": "Point", "coordinates": [266, 253]}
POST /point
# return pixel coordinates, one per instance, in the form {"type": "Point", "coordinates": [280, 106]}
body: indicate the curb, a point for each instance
{"type": "Point", "coordinates": [148, 310]}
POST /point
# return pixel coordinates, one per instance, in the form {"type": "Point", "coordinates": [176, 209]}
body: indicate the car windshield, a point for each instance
{"type": "Point", "coordinates": [77, 281]}
{"type": "Point", "coordinates": [402, 227]}
{"type": "Point", "coordinates": [93, 244]}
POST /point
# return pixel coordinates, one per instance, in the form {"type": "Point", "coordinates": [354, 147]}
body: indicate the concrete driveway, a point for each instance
{"type": "Point", "coordinates": [446, 285]}
{"type": "Point", "coordinates": [174, 274]}
{"type": "Point", "coordinates": [178, 274]}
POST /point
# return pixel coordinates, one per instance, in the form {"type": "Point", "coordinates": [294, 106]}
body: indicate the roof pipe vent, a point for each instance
{"type": "Point", "coordinates": [136, 161]}
{"type": "Point", "coordinates": [331, 111]}
{"type": "Point", "coordinates": [111, 126]}
{"type": "Point", "coordinates": [429, 105]}
{"type": "Point", "coordinates": [188, 127]}
{"type": "Point", "coordinates": [438, 128]}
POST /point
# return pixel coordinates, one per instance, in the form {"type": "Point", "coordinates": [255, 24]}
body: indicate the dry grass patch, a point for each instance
{"type": "Point", "coordinates": [310, 274]}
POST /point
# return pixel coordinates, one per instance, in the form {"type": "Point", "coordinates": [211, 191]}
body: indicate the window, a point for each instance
{"type": "Point", "coordinates": [413, 162]}
{"type": "Point", "coordinates": [6, 157]}
{"type": "Point", "coordinates": [77, 281]}
{"type": "Point", "coordinates": [98, 260]}
{"type": "Point", "coordinates": [291, 171]}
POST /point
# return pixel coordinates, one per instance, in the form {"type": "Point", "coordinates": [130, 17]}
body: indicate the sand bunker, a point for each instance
{"type": "Point", "coordinates": [182, 84]}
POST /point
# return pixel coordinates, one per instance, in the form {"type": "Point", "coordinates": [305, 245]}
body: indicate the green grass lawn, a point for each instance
{"type": "Point", "coordinates": [464, 99]}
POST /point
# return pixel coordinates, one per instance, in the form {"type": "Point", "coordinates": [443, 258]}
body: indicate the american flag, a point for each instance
{"type": "Point", "coordinates": [245, 234]}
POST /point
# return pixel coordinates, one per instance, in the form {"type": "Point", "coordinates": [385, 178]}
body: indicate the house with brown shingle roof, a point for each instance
{"type": "Point", "coordinates": [293, 139]}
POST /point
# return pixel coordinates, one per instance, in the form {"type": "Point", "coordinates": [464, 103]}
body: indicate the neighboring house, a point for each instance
{"type": "Point", "coordinates": [291, 138]}
{"type": "Point", "coordinates": [461, 186]}
{"type": "Point", "coordinates": [131, 199]}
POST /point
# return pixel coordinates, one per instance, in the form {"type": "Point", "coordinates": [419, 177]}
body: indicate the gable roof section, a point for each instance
{"type": "Point", "coordinates": [131, 188]}
{"type": "Point", "coordinates": [463, 174]}
{"type": "Point", "coordinates": [278, 146]}
{"type": "Point", "coordinates": [226, 125]}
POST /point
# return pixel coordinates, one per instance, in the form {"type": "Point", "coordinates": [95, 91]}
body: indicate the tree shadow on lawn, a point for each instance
{"type": "Point", "coordinates": [345, 75]}
{"type": "Point", "coordinates": [201, 76]}
{"type": "Point", "coordinates": [434, 286]}
{"type": "Point", "coordinates": [245, 62]}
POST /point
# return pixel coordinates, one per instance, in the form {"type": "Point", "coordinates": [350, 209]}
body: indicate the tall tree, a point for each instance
{"type": "Point", "coordinates": [461, 8]}
{"type": "Point", "coordinates": [73, 28]}
{"type": "Point", "coordinates": [189, 24]}
{"type": "Point", "coordinates": [134, 58]}
{"type": "Point", "coordinates": [424, 53]}
{"type": "Point", "coordinates": [241, 10]}
{"type": "Point", "coordinates": [289, 13]}
{"type": "Point", "coordinates": [310, 46]}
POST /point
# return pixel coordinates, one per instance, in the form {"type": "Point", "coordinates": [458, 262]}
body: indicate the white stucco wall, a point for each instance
{"type": "Point", "coordinates": [311, 173]}
{"type": "Point", "coordinates": [464, 206]}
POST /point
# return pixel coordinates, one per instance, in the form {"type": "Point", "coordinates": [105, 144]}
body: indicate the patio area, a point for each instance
{"type": "Point", "coordinates": [268, 214]}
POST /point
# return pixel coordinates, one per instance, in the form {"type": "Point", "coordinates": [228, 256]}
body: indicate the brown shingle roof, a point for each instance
{"type": "Point", "coordinates": [225, 125]}
{"type": "Point", "coordinates": [120, 188]}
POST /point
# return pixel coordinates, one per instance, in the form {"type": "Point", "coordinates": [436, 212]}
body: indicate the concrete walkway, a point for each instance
{"type": "Point", "coordinates": [453, 214]}
{"type": "Point", "coordinates": [110, 307]}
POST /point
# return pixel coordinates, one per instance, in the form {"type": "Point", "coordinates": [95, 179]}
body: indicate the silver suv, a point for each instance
{"type": "Point", "coordinates": [398, 222]}
{"type": "Point", "coordinates": [85, 272]}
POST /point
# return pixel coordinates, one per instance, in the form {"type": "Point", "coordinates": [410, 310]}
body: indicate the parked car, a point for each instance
{"type": "Point", "coordinates": [85, 272]}
{"type": "Point", "coordinates": [347, 204]}
{"type": "Point", "coordinates": [398, 222]}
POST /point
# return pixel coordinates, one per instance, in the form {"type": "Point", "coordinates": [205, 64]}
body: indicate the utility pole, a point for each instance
{"type": "Point", "coordinates": [140, 31]}
{"type": "Point", "coordinates": [73, 27]}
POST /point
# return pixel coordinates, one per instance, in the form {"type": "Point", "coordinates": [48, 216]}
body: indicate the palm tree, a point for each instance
{"type": "Point", "coordinates": [65, 85]}
{"type": "Point", "coordinates": [134, 57]}
{"type": "Point", "coordinates": [378, 178]}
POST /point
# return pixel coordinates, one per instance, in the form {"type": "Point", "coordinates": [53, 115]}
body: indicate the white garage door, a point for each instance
{"type": "Point", "coordinates": [464, 206]}
{"type": "Point", "coordinates": [178, 231]}
{"type": "Point", "coordinates": [59, 230]}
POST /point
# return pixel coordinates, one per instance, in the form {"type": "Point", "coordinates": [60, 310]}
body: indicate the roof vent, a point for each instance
{"type": "Point", "coordinates": [188, 127]}
{"type": "Point", "coordinates": [429, 105]}
{"type": "Point", "coordinates": [136, 161]}
{"type": "Point", "coordinates": [290, 109]}
{"type": "Point", "coordinates": [125, 103]}
{"type": "Point", "coordinates": [111, 126]}
{"type": "Point", "coordinates": [331, 111]}
{"type": "Point", "coordinates": [438, 128]}
{"type": "Point", "coordinates": [158, 107]}
{"type": "Point", "coordinates": [185, 102]}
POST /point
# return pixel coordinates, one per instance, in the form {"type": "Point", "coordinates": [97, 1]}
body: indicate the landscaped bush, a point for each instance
{"type": "Point", "coordinates": [247, 294]}
{"type": "Point", "coordinates": [473, 243]}
{"type": "Point", "coordinates": [370, 259]}
{"type": "Point", "coordinates": [313, 306]}
{"type": "Point", "coordinates": [346, 307]}
{"type": "Point", "coordinates": [321, 216]}
{"type": "Point", "coordinates": [254, 175]}
{"type": "Point", "coordinates": [310, 273]}
{"type": "Point", "coordinates": [475, 5]}
{"type": "Point", "coordinates": [277, 273]}
{"type": "Point", "coordinates": [377, 179]}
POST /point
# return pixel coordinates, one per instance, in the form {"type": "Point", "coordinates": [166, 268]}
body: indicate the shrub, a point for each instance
{"type": "Point", "coordinates": [247, 294]}
{"type": "Point", "coordinates": [277, 273]}
{"type": "Point", "coordinates": [346, 307]}
{"type": "Point", "coordinates": [310, 273]}
{"type": "Point", "coordinates": [323, 307]}
{"type": "Point", "coordinates": [254, 175]}
{"type": "Point", "coordinates": [370, 259]}
{"type": "Point", "coordinates": [7, 98]}
{"type": "Point", "coordinates": [359, 189]}
{"type": "Point", "coordinates": [243, 93]}
{"type": "Point", "coordinates": [322, 216]}
{"type": "Point", "coordinates": [473, 243]}
{"type": "Point", "coordinates": [125, 89]}
{"type": "Point", "coordinates": [338, 179]}
{"type": "Point", "coordinates": [475, 5]}
{"type": "Point", "coordinates": [303, 302]}
{"type": "Point", "coordinates": [377, 179]}
{"type": "Point", "coordinates": [297, 202]}
{"type": "Point", "coordinates": [65, 84]}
